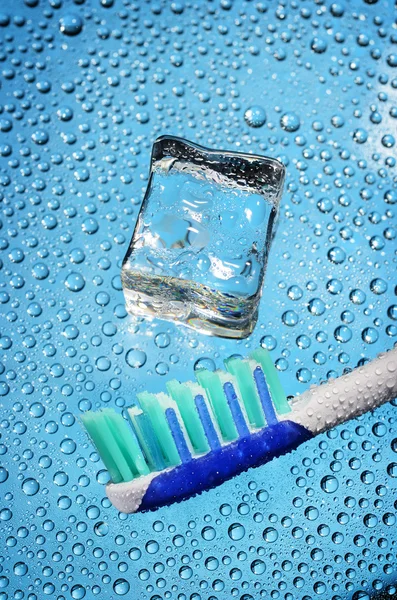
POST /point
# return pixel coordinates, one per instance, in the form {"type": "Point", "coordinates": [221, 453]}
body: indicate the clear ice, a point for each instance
{"type": "Point", "coordinates": [200, 246]}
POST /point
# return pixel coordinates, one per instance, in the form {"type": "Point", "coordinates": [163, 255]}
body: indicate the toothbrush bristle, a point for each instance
{"type": "Point", "coordinates": [167, 431]}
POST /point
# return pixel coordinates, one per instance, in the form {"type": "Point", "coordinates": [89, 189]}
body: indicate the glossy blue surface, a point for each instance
{"type": "Point", "coordinates": [235, 409]}
{"type": "Point", "coordinates": [200, 474]}
{"type": "Point", "coordinates": [78, 118]}
{"type": "Point", "coordinates": [206, 420]}
{"type": "Point", "coordinates": [264, 395]}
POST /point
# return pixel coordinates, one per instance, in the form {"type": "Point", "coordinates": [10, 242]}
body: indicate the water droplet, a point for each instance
{"type": "Point", "coordinates": [290, 122]}
{"type": "Point", "coordinates": [68, 446]}
{"type": "Point", "coordinates": [74, 282]}
{"type": "Point", "coordinates": [303, 375]}
{"type": "Point", "coordinates": [334, 286]}
{"type": "Point", "coordinates": [360, 135]}
{"type": "Point", "coordinates": [162, 340]}
{"type": "Point", "coordinates": [70, 24]}
{"type": "Point", "coordinates": [204, 363]}
{"type": "Point", "coordinates": [336, 255]}
{"type": "Point", "coordinates": [40, 137]}
{"type": "Point", "coordinates": [258, 567]}
{"type": "Point", "coordinates": [3, 474]}
{"type": "Point", "coordinates": [270, 535]}
{"type": "Point", "coordinates": [318, 45]}
{"type": "Point", "coordinates": [329, 484]}
{"type": "Point", "coordinates": [236, 531]}
{"type": "Point", "coordinates": [295, 292]}
{"type": "Point", "coordinates": [101, 529]}
{"type": "Point", "coordinates": [30, 486]}
{"type": "Point", "coordinates": [255, 116]}
{"type": "Point", "coordinates": [378, 286]}
{"type": "Point", "coordinates": [135, 358]}
{"type": "Point", "coordinates": [316, 307]}
{"type": "Point", "coordinates": [290, 318]}
{"type": "Point", "coordinates": [121, 587]}
{"type": "Point", "coordinates": [370, 335]}
{"type": "Point", "coordinates": [357, 296]}
{"type": "Point", "coordinates": [269, 342]}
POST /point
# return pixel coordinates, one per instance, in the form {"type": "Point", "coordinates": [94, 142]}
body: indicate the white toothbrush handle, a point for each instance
{"type": "Point", "coordinates": [325, 406]}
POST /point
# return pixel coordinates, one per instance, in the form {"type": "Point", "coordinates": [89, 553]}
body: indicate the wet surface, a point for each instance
{"type": "Point", "coordinates": [86, 87]}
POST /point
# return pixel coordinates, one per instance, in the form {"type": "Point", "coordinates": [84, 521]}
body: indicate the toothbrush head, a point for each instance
{"type": "Point", "coordinates": [171, 447]}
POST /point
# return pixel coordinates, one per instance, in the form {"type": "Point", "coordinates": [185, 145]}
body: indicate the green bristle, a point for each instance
{"type": "Point", "coordinates": [213, 386]}
{"type": "Point", "coordinates": [246, 384]}
{"type": "Point", "coordinates": [183, 396]}
{"type": "Point", "coordinates": [108, 438]}
{"type": "Point", "coordinates": [127, 442]}
{"type": "Point", "coordinates": [143, 428]}
{"type": "Point", "coordinates": [126, 471]}
{"type": "Point", "coordinates": [151, 406]}
{"type": "Point", "coordinates": [94, 424]}
{"type": "Point", "coordinates": [279, 399]}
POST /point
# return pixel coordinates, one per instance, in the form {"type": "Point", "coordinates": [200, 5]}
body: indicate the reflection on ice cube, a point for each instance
{"type": "Point", "coordinates": [255, 210]}
{"type": "Point", "coordinates": [169, 231]}
{"type": "Point", "coordinates": [237, 276]}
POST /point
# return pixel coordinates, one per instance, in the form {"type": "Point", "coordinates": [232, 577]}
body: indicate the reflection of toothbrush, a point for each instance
{"type": "Point", "coordinates": [202, 434]}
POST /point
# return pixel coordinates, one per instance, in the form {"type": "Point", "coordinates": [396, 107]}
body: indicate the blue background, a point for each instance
{"type": "Point", "coordinates": [78, 117]}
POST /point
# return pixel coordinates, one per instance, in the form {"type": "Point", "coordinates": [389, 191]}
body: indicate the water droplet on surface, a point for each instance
{"type": "Point", "coordinates": [268, 342]}
{"type": "Point", "coordinates": [74, 282]}
{"type": "Point", "coordinates": [3, 474]}
{"type": "Point", "coordinates": [204, 363]}
{"type": "Point", "coordinates": [295, 292]}
{"type": "Point", "coordinates": [334, 286]}
{"type": "Point", "coordinates": [162, 340]}
{"type": "Point", "coordinates": [316, 307]}
{"type": "Point", "coordinates": [290, 122]}
{"type": "Point", "coordinates": [360, 135]}
{"type": "Point", "coordinates": [258, 567]}
{"type": "Point", "coordinates": [40, 137]}
{"type": "Point", "coordinates": [270, 535]}
{"type": "Point", "coordinates": [378, 286]}
{"type": "Point", "coordinates": [70, 24]}
{"type": "Point", "coordinates": [77, 118]}
{"type": "Point", "coordinates": [336, 255]}
{"type": "Point", "coordinates": [303, 375]}
{"type": "Point", "coordinates": [101, 529]}
{"type": "Point", "coordinates": [68, 446]}
{"type": "Point", "coordinates": [236, 532]}
{"type": "Point", "coordinates": [30, 486]}
{"type": "Point", "coordinates": [135, 358]}
{"type": "Point", "coordinates": [329, 484]}
{"type": "Point", "coordinates": [255, 116]}
{"type": "Point", "coordinates": [290, 318]}
{"type": "Point", "coordinates": [318, 45]}
{"type": "Point", "coordinates": [370, 335]}
{"type": "Point", "coordinates": [121, 587]}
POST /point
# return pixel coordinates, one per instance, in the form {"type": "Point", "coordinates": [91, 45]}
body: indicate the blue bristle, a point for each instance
{"type": "Point", "coordinates": [264, 396]}
{"type": "Point", "coordinates": [151, 445]}
{"type": "Point", "coordinates": [178, 435]}
{"type": "Point", "coordinates": [235, 409]}
{"type": "Point", "coordinates": [206, 421]}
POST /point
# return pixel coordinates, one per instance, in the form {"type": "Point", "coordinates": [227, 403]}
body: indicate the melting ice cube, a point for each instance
{"type": "Point", "coordinates": [199, 249]}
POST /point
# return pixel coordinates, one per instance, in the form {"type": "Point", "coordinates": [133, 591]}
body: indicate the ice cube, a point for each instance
{"type": "Point", "coordinates": [199, 250]}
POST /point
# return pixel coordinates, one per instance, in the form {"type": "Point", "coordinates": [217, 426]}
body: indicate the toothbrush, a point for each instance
{"type": "Point", "coordinates": [172, 447]}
